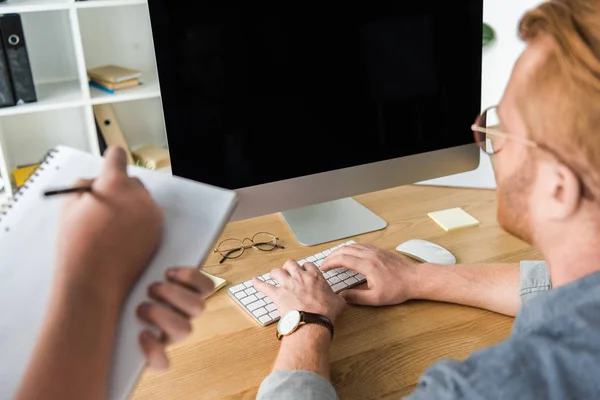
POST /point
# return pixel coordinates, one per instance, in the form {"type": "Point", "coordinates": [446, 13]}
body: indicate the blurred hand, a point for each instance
{"type": "Point", "coordinates": [108, 236]}
{"type": "Point", "coordinates": [182, 296]}
{"type": "Point", "coordinates": [390, 276]}
{"type": "Point", "coordinates": [303, 289]}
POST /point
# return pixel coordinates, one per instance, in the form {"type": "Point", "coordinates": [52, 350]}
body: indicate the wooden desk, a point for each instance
{"type": "Point", "coordinates": [377, 352]}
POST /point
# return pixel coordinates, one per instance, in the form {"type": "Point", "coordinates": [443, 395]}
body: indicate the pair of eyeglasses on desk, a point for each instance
{"type": "Point", "coordinates": [234, 248]}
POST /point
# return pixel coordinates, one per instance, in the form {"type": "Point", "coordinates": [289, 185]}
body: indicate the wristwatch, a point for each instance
{"type": "Point", "coordinates": [294, 319]}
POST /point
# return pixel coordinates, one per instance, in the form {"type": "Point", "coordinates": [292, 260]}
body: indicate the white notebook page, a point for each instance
{"type": "Point", "coordinates": [195, 214]}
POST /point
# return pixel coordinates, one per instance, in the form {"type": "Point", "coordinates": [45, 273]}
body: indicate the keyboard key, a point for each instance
{"type": "Point", "coordinates": [237, 288]}
{"type": "Point", "coordinates": [267, 300]}
{"type": "Point", "coordinates": [240, 295]}
{"type": "Point", "coordinates": [327, 252]}
{"type": "Point", "coordinates": [360, 277]}
{"type": "Point", "coordinates": [265, 318]}
{"type": "Point", "coordinates": [271, 307]}
{"type": "Point", "coordinates": [318, 263]}
{"type": "Point", "coordinates": [249, 299]}
{"type": "Point", "coordinates": [302, 262]}
{"type": "Point", "coordinates": [258, 312]}
{"type": "Point", "coordinates": [255, 305]}
{"type": "Point", "coordinates": [339, 286]}
{"type": "Point", "coordinates": [274, 314]}
{"type": "Point", "coordinates": [266, 276]}
{"type": "Point", "coordinates": [351, 281]}
{"type": "Point", "coordinates": [260, 295]}
{"type": "Point", "coordinates": [311, 259]}
{"type": "Point", "coordinates": [343, 276]}
{"type": "Point", "coordinates": [250, 291]}
{"type": "Point", "coordinates": [261, 278]}
{"type": "Point", "coordinates": [248, 284]}
{"type": "Point", "coordinates": [351, 273]}
{"type": "Point", "coordinates": [333, 280]}
{"type": "Point", "coordinates": [320, 256]}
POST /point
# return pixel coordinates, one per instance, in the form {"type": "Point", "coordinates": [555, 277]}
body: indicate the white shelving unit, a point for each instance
{"type": "Point", "coordinates": [64, 39]}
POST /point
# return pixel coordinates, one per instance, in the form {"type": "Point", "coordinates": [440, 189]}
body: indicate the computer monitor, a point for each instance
{"type": "Point", "coordinates": [300, 106]}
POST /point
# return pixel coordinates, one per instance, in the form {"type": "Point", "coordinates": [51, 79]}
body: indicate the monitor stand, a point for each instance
{"type": "Point", "coordinates": [333, 220]}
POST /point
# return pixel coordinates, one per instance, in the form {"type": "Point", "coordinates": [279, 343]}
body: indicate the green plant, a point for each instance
{"type": "Point", "coordinates": [488, 34]}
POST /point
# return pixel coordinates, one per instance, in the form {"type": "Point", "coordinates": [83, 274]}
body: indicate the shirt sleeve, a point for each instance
{"type": "Point", "coordinates": [291, 385]}
{"type": "Point", "coordinates": [518, 368]}
{"type": "Point", "coordinates": [535, 279]}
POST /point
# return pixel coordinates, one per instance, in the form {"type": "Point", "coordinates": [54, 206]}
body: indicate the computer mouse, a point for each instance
{"type": "Point", "coordinates": [425, 251]}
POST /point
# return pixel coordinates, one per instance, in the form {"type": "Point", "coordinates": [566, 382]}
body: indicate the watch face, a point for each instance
{"type": "Point", "coordinates": [288, 322]}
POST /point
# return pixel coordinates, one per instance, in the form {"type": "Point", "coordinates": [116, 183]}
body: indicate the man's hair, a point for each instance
{"type": "Point", "coordinates": [567, 85]}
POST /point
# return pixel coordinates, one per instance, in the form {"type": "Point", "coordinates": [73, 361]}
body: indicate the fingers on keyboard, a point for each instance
{"type": "Point", "coordinates": [261, 307]}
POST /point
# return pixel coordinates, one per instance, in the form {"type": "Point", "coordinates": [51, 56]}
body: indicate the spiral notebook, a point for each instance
{"type": "Point", "coordinates": [195, 215]}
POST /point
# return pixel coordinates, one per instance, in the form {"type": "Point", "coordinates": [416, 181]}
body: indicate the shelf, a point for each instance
{"type": "Point", "coordinates": [26, 139]}
{"type": "Point", "coordinates": [148, 90]}
{"type": "Point", "coordinates": [51, 96]}
{"type": "Point", "coordinates": [108, 3]}
{"type": "Point", "coordinates": [22, 6]}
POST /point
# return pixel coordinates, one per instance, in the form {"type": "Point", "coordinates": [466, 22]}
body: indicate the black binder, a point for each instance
{"type": "Point", "coordinates": [15, 48]}
{"type": "Point", "coordinates": [7, 98]}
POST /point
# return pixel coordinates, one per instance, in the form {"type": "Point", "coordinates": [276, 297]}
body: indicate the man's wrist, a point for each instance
{"type": "Point", "coordinates": [422, 282]}
{"type": "Point", "coordinates": [311, 334]}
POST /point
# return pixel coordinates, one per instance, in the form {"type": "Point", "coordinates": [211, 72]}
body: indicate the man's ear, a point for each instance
{"type": "Point", "coordinates": [562, 189]}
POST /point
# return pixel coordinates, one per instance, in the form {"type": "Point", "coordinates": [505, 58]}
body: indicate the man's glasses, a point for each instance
{"type": "Point", "coordinates": [234, 248]}
{"type": "Point", "coordinates": [489, 136]}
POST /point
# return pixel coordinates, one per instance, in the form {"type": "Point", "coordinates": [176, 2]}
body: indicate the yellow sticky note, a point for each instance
{"type": "Point", "coordinates": [453, 219]}
{"type": "Point", "coordinates": [219, 282]}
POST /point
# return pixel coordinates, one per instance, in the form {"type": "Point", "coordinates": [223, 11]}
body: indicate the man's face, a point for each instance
{"type": "Point", "coordinates": [515, 166]}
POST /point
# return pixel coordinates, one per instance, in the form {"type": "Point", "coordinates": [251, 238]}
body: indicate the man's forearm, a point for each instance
{"type": "Point", "coordinates": [493, 287]}
{"type": "Point", "coordinates": [72, 356]}
{"type": "Point", "coordinates": [307, 349]}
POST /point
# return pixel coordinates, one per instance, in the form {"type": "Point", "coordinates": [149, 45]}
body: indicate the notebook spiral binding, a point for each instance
{"type": "Point", "coordinates": [15, 199]}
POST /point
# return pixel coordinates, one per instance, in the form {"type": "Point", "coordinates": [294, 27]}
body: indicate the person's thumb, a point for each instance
{"type": "Point", "coordinates": [363, 297]}
{"type": "Point", "coordinates": [115, 162]}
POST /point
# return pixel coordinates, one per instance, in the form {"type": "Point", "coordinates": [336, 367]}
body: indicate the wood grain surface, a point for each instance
{"type": "Point", "coordinates": [378, 353]}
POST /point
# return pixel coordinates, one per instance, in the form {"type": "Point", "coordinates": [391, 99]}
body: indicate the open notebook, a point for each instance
{"type": "Point", "coordinates": [195, 214]}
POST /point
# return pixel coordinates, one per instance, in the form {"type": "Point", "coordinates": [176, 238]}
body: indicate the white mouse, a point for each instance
{"type": "Point", "coordinates": [425, 251]}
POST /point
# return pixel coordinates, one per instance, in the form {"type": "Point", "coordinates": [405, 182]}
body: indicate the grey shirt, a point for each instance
{"type": "Point", "coordinates": [553, 352]}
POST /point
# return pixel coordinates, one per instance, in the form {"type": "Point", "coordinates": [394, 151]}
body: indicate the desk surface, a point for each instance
{"type": "Point", "coordinates": [377, 352]}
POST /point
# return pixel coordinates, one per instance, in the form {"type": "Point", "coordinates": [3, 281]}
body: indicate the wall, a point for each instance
{"type": "Point", "coordinates": [498, 60]}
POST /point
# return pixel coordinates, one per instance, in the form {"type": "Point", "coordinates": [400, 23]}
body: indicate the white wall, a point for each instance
{"type": "Point", "coordinates": [500, 56]}
{"type": "Point", "coordinates": [498, 60]}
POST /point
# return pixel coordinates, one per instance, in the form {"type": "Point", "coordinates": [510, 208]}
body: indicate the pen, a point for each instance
{"type": "Point", "coordinates": [80, 189]}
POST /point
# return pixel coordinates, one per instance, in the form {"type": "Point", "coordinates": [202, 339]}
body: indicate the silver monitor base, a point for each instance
{"type": "Point", "coordinates": [334, 220]}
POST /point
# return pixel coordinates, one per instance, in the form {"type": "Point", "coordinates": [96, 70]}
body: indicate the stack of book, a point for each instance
{"type": "Point", "coordinates": [111, 78]}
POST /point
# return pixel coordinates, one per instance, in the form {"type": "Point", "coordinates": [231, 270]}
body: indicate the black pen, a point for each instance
{"type": "Point", "coordinates": [80, 189]}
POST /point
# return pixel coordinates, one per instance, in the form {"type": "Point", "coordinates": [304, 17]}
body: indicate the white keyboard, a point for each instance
{"type": "Point", "coordinates": [261, 307]}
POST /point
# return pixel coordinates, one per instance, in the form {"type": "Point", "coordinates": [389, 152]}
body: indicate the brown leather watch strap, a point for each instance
{"type": "Point", "coordinates": [310, 318]}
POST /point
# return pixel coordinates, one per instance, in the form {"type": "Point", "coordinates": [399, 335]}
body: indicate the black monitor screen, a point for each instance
{"type": "Point", "coordinates": [255, 94]}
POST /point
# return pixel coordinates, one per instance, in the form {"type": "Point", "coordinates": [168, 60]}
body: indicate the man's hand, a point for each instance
{"type": "Point", "coordinates": [109, 235]}
{"type": "Point", "coordinates": [182, 296]}
{"type": "Point", "coordinates": [390, 277]}
{"type": "Point", "coordinates": [303, 289]}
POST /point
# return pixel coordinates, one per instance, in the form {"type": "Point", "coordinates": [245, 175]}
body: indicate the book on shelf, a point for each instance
{"type": "Point", "coordinates": [117, 86]}
{"type": "Point", "coordinates": [113, 74]}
